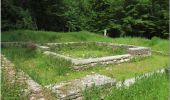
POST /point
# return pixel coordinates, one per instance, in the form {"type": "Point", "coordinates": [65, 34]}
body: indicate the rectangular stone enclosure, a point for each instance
{"type": "Point", "coordinates": [77, 64]}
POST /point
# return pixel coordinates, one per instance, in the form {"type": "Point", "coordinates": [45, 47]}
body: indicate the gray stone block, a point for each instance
{"type": "Point", "coordinates": [139, 51]}
{"type": "Point", "coordinates": [72, 89]}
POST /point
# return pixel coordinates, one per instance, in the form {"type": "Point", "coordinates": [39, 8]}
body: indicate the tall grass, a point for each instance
{"type": "Point", "coordinates": [152, 88]}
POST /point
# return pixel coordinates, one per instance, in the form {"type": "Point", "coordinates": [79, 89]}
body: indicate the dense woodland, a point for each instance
{"type": "Point", "coordinates": [144, 18]}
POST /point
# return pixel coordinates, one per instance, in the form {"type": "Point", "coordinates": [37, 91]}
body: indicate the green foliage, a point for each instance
{"type": "Point", "coordinates": [131, 18]}
{"type": "Point", "coordinates": [140, 18]}
{"type": "Point", "coordinates": [15, 17]}
{"type": "Point", "coordinates": [154, 41]}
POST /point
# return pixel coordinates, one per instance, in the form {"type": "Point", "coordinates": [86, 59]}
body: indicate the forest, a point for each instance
{"type": "Point", "coordinates": [121, 18]}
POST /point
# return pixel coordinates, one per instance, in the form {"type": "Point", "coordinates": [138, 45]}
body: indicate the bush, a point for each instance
{"type": "Point", "coordinates": [154, 41]}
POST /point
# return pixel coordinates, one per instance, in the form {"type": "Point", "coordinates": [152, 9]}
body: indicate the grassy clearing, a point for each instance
{"type": "Point", "coordinates": [46, 70]}
{"type": "Point", "coordinates": [42, 36]}
{"type": "Point", "coordinates": [152, 88]}
{"type": "Point", "coordinates": [88, 51]}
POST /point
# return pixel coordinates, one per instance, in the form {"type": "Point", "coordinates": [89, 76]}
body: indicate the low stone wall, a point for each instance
{"type": "Point", "coordinates": [85, 63]}
{"type": "Point", "coordinates": [139, 51]}
{"type": "Point", "coordinates": [113, 45]}
{"type": "Point", "coordinates": [133, 51]}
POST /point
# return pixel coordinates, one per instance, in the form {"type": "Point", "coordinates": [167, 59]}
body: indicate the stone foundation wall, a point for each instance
{"type": "Point", "coordinates": [133, 51]}
{"type": "Point", "coordinates": [139, 51]}
{"type": "Point", "coordinates": [86, 63]}
{"type": "Point", "coordinates": [79, 64]}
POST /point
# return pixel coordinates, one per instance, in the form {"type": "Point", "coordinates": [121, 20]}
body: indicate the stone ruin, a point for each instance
{"type": "Point", "coordinates": [78, 64]}
{"type": "Point", "coordinates": [72, 90]}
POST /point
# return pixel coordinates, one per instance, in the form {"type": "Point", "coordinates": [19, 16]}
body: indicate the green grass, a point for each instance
{"type": "Point", "coordinates": [152, 88]}
{"type": "Point", "coordinates": [43, 36]}
{"type": "Point", "coordinates": [88, 51]}
{"type": "Point", "coordinates": [46, 70]}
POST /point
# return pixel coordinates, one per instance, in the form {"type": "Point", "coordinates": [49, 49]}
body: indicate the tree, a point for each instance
{"type": "Point", "coordinates": [15, 17]}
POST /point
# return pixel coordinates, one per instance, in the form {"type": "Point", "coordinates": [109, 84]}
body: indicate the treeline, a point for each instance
{"type": "Point", "coordinates": [144, 18]}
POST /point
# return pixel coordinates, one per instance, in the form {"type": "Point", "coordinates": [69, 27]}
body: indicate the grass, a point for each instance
{"type": "Point", "coordinates": [43, 37]}
{"type": "Point", "coordinates": [88, 51]}
{"type": "Point", "coordinates": [151, 88]}
{"type": "Point", "coordinates": [46, 70]}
